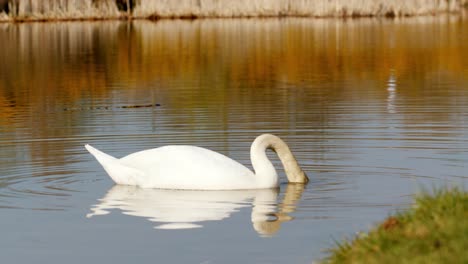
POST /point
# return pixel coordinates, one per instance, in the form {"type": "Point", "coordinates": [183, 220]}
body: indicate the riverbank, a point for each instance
{"type": "Point", "coordinates": [435, 230]}
{"type": "Point", "coordinates": [21, 10]}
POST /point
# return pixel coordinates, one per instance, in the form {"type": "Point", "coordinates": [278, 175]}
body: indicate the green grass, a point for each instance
{"type": "Point", "coordinates": [434, 230]}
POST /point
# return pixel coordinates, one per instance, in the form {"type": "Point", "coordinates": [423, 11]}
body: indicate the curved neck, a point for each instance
{"type": "Point", "coordinates": [264, 170]}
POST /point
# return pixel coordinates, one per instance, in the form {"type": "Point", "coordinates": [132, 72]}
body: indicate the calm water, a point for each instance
{"type": "Point", "coordinates": [375, 110]}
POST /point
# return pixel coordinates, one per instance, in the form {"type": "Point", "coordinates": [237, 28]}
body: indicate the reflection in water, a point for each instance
{"type": "Point", "coordinates": [179, 209]}
{"type": "Point", "coordinates": [391, 89]}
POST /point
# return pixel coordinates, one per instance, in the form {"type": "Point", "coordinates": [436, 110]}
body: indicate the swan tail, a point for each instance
{"type": "Point", "coordinates": [99, 155]}
{"type": "Point", "coordinates": [120, 173]}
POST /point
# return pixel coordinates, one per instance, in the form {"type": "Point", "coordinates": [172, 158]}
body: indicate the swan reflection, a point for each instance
{"type": "Point", "coordinates": [180, 209]}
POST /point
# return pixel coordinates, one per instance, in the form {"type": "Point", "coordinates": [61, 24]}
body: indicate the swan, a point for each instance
{"type": "Point", "coordinates": [195, 168]}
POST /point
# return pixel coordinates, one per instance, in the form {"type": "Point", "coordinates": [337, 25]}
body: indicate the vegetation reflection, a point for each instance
{"type": "Point", "coordinates": [237, 64]}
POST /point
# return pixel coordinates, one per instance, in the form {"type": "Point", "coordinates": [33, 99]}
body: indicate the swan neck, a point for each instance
{"type": "Point", "coordinates": [262, 164]}
{"type": "Point", "coordinates": [265, 172]}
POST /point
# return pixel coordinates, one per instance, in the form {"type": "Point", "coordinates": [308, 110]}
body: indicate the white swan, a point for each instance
{"type": "Point", "coordinates": [195, 168]}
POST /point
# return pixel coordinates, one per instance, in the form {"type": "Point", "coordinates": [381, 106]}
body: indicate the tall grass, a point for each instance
{"type": "Point", "coordinates": [104, 9]}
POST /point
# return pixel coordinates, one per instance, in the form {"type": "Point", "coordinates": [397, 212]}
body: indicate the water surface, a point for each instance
{"type": "Point", "coordinates": [374, 109]}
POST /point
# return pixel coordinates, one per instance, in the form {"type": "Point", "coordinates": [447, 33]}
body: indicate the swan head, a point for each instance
{"type": "Point", "coordinates": [297, 177]}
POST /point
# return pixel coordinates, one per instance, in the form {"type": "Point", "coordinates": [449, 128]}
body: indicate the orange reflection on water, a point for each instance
{"type": "Point", "coordinates": [51, 74]}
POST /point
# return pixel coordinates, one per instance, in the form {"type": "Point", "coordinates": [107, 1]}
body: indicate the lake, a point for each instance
{"type": "Point", "coordinates": [375, 111]}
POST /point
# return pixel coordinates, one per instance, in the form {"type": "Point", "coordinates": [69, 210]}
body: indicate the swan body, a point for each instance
{"type": "Point", "coordinates": [196, 168]}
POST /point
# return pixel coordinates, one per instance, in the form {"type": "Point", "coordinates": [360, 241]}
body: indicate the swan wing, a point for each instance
{"type": "Point", "coordinates": [190, 167]}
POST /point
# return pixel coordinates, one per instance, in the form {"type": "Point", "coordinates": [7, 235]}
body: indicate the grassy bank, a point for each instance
{"type": "Point", "coordinates": [435, 230]}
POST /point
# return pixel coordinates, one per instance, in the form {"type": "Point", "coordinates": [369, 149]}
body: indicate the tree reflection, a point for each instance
{"type": "Point", "coordinates": [237, 72]}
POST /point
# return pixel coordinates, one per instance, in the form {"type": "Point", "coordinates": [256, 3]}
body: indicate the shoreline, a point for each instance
{"type": "Point", "coordinates": [427, 232]}
{"type": "Point", "coordinates": [88, 10]}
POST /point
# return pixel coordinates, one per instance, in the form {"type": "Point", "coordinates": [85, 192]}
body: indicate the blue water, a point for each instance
{"type": "Point", "coordinates": [374, 110]}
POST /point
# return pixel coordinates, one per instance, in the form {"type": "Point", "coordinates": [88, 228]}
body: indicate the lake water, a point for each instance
{"type": "Point", "coordinates": [374, 109]}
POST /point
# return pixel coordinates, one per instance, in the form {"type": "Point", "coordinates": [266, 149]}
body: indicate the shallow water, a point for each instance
{"type": "Point", "coordinates": [374, 109]}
